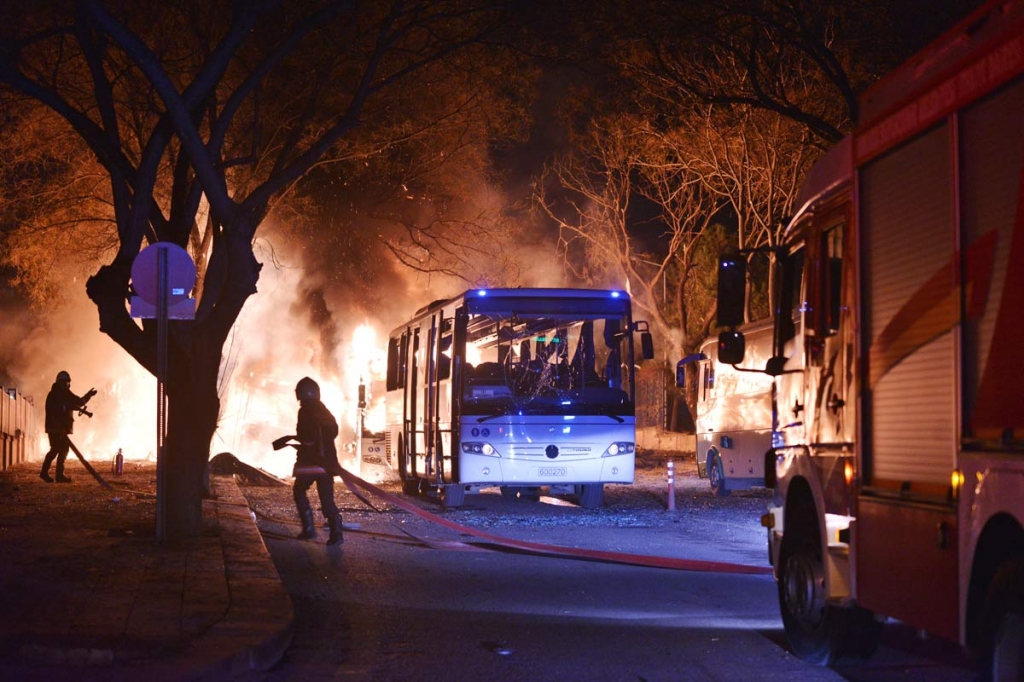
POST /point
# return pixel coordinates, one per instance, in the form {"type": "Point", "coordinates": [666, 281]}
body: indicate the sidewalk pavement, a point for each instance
{"type": "Point", "coordinates": [86, 593]}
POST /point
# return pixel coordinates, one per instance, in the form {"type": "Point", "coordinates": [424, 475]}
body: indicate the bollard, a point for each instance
{"type": "Point", "coordinates": [671, 485]}
{"type": "Point", "coordinates": [119, 463]}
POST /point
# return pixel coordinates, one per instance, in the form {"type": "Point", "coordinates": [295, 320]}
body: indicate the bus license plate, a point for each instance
{"type": "Point", "coordinates": [551, 471]}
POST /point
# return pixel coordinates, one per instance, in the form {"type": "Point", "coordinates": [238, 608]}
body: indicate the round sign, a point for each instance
{"type": "Point", "coordinates": [181, 273]}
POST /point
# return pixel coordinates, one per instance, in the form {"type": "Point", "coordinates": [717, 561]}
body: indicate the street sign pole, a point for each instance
{"type": "Point", "coordinates": [161, 396]}
{"type": "Point", "coordinates": [163, 276]}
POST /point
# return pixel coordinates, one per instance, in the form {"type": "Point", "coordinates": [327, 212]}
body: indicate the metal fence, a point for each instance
{"type": "Point", "coordinates": [17, 428]}
{"type": "Point", "coordinates": [659, 404]}
{"type": "Point", "coordinates": [650, 395]}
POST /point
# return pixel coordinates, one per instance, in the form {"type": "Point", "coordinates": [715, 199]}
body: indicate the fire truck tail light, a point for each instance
{"type": "Point", "coordinates": [957, 481]}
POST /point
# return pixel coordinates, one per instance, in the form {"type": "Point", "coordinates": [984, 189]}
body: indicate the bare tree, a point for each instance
{"type": "Point", "coordinates": [760, 89]}
{"type": "Point", "coordinates": [54, 203]}
{"type": "Point", "coordinates": [221, 107]}
{"type": "Point", "coordinates": [755, 162]}
{"type": "Point", "coordinates": [605, 238]}
{"type": "Point", "coordinates": [779, 56]}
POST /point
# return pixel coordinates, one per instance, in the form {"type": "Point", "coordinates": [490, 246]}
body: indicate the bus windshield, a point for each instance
{"type": "Point", "coordinates": [548, 363]}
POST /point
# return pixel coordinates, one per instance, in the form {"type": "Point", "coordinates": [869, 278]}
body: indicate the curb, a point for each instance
{"type": "Point", "coordinates": [259, 624]}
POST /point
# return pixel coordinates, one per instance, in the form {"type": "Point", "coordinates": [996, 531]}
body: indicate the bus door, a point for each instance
{"type": "Point", "coordinates": [430, 395]}
{"type": "Point", "coordinates": [412, 418]}
{"type": "Point", "coordinates": [458, 362]}
{"type": "Point", "coordinates": [437, 395]}
{"type": "Point", "coordinates": [443, 398]}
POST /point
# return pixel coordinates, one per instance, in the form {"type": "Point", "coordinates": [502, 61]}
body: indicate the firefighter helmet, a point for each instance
{"type": "Point", "coordinates": [307, 389]}
{"type": "Point", "coordinates": [63, 377]}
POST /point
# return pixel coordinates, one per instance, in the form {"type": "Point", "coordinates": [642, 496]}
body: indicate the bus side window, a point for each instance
{"type": "Point", "coordinates": [393, 364]}
{"type": "Point", "coordinates": [398, 349]}
{"type": "Point", "coordinates": [444, 363]}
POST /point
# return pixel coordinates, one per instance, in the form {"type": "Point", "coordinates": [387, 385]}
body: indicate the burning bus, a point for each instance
{"type": "Point", "coordinates": [517, 389]}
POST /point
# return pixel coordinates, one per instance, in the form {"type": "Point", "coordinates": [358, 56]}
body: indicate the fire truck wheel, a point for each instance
{"type": "Point", "coordinates": [818, 632]}
{"type": "Point", "coordinates": [716, 474]}
{"type": "Point", "coordinates": [590, 495]}
{"type": "Point", "coordinates": [1004, 624]}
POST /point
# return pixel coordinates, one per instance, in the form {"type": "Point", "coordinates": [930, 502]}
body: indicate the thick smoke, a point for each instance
{"type": "Point", "coordinates": [325, 304]}
{"type": "Point", "coordinates": [38, 345]}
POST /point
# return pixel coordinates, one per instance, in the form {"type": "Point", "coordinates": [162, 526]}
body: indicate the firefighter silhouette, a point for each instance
{"type": "Point", "coordinates": [61, 404]}
{"type": "Point", "coordinates": [316, 460]}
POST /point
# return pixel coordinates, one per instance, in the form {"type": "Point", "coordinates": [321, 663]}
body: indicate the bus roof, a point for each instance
{"type": "Point", "coordinates": [541, 292]}
{"type": "Point", "coordinates": [546, 299]}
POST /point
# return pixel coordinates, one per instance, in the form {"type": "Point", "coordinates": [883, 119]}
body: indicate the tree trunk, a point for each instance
{"type": "Point", "coordinates": [192, 410]}
{"type": "Point", "coordinates": [194, 356]}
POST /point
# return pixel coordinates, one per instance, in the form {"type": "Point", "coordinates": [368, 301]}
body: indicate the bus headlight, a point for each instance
{"type": "Point", "coordinates": [619, 449]}
{"type": "Point", "coordinates": [478, 448]}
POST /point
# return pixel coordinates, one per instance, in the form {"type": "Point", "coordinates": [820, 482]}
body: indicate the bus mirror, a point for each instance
{"type": "Point", "coordinates": [732, 283]}
{"type": "Point", "coordinates": [731, 347]}
{"type": "Point", "coordinates": [647, 345]}
{"type": "Point", "coordinates": [681, 367]}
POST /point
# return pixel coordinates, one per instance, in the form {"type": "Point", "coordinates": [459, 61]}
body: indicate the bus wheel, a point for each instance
{"type": "Point", "coordinates": [1004, 624]}
{"type": "Point", "coordinates": [819, 632]}
{"type": "Point", "coordinates": [410, 484]}
{"type": "Point", "coordinates": [453, 495]}
{"type": "Point", "coordinates": [716, 474]}
{"type": "Point", "coordinates": [590, 495]}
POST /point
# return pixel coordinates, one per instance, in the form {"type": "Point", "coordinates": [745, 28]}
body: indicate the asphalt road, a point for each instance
{"type": "Point", "coordinates": [383, 608]}
{"type": "Point", "coordinates": [403, 599]}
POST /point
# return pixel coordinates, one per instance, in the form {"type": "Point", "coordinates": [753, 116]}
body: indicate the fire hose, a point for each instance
{"type": "Point", "coordinates": [354, 484]}
{"type": "Point", "coordinates": [82, 411]}
{"type": "Point", "coordinates": [88, 467]}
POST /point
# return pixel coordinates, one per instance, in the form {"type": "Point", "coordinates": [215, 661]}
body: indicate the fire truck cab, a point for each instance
{"type": "Point", "coordinates": [899, 461]}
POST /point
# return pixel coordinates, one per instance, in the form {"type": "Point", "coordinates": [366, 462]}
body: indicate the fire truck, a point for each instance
{"type": "Point", "coordinates": [898, 461]}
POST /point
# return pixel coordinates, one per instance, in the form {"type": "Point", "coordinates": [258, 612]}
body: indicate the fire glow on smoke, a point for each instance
{"type": "Point", "coordinates": [269, 350]}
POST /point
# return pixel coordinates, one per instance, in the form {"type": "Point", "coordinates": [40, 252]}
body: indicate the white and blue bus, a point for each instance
{"type": "Point", "coordinates": [515, 388]}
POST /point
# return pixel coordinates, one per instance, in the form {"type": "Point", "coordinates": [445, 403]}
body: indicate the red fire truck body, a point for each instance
{"type": "Point", "coordinates": [898, 467]}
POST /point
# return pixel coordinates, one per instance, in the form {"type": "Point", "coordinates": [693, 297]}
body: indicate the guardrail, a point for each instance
{"type": "Point", "coordinates": [17, 428]}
